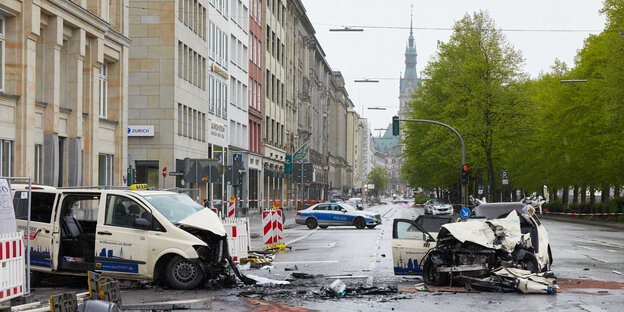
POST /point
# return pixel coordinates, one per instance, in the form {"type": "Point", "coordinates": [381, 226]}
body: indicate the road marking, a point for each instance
{"type": "Point", "coordinates": [307, 262]}
{"type": "Point", "coordinates": [302, 237]}
{"type": "Point", "coordinates": [347, 276]}
{"type": "Point", "coordinates": [334, 244]}
{"type": "Point", "coordinates": [589, 248]}
{"type": "Point", "coordinates": [594, 258]}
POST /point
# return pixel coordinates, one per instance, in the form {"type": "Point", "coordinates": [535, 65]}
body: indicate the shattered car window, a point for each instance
{"type": "Point", "coordinates": [497, 210]}
{"type": "Point", "coordinates": [174, 207]}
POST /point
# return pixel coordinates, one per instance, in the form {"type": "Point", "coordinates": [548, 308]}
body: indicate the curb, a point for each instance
{"type": "Point", "coordinates": [616, 225]}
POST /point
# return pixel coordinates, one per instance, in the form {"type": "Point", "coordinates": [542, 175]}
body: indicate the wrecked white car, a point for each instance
{"type": "Point", "coordinates": [500, 236]}
{"type": "Point", "coordinates": [139, 235]}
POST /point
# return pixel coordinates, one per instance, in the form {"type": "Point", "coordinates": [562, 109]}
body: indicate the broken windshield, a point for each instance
{"type": "Point", "coordinates": [174, 207]}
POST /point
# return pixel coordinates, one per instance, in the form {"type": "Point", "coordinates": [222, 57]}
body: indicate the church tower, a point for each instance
{"type": "Point", "coordinates": [410, 80]}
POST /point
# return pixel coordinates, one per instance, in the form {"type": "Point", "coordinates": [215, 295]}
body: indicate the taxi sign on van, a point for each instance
{"type": "Point", "coordinates": [139, 187]}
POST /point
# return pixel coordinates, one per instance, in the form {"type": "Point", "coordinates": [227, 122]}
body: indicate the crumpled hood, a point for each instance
{"type": "Point", "coordinates": [205, 219]}
{"type": "Point", "coordinates": [494, 234]}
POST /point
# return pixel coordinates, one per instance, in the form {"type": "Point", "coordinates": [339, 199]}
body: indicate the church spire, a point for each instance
{"type": "Point", "coordinates": [411, 36]}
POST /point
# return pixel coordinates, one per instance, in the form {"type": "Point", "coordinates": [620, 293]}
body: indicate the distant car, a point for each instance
{"type": "Point", "coordinates": [326, 214]}
{"type": "Point", "coordinates": [400, 201]}
{"type": "Point", "coordinates": [438, 206]}
{"type": "Point", "coordinates": [357, 201]}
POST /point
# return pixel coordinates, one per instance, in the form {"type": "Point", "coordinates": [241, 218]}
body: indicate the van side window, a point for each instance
{"type": "Point", "coordinates": [122, 211]}
{"type": "Point", "coordinates": [40, 203]}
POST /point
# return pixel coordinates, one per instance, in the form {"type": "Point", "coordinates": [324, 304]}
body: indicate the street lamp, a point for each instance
{"type": "Point", "coordinates": [572, 80]}
{"type": "Point", "coordinates": [377, 108]}
{"type": "Point", "coordinates": [365, 80]}
{"type": "Point", "coordinates": [346, 28]}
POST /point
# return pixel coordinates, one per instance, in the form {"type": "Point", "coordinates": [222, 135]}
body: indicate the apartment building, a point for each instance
{"type": "Point", "coordinates": [63, 94]}
{"type": "Point", "coordinates": [274, 105]}
{"type": "Point", "coordinates": [255, 99]}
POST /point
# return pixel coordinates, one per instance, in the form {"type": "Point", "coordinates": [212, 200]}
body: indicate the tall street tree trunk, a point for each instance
{"type": "Point", "coordinates": [583, 194]}
{"type": "Point", "coordinates": [566, 196]}
{"type": "Point", "coordinates": [616, 191]}
{"type": "Point", "coordinates": [491, 174]}
{"type": "Point", "coordinates": [592, 195]}
{"type": "Point", "coordinates": [576, 195]}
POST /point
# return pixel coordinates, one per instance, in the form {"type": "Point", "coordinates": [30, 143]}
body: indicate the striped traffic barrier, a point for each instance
{"type": "Point", "coordinates": [12, 269]}
{"type": "Point", "coordinates": [586, 214]}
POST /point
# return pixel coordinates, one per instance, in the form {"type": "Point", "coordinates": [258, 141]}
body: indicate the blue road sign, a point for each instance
{"type": "Point", "coordinates": [464, 212]}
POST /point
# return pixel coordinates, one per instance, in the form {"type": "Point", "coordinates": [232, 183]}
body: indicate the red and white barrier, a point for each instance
{"type": "Point", "coordinates": [272, 227]}
{"type": "Point", "coordinates": [230, 209]}
{"type": "Point", "coordinates": [237, 230]}
{"type": "Point", "coordinates": [11, 266]}
{"type": "Point", "coordinates": [586, 214]}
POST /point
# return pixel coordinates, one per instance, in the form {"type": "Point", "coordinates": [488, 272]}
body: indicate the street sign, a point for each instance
{"type": "Point", "coordinates": [505, 177]}
{"type": "Point", "coordinates": [371, 186]}
{"type": "Point", "coordinates": [164, 173]}
{"type": "Point", "coordinates": [480, 191]}
{"type": "Point", "coordinates": [301, 152]}
{"type": "Point", "coordinates": [505, 181]}
{"type": "Point", "coordinates": [176, 174]}
{"type": "Point", "coordinates": [464, 212]}
{"type": "Point", "coordinates": [288, 164]}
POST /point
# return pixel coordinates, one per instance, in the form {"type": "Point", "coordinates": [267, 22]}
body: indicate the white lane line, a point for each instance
{"type": "Point", "coordinates": [307, 262]}
{"type": "Point", "coordinates": [331, 245]}
{"type": "Point", "coordinates": [302, 237]}
{"type": "Point", "coordinates": [596, 259]}
{"type": "Point", "coordinates": [588, 248]}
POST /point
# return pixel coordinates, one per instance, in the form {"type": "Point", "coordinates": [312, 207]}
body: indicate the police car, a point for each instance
{"type": "Point", "coordinates": [326, 214]}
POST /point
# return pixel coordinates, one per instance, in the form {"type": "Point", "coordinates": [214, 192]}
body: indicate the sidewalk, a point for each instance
{"type": "Point", "coordinates": [255, 225]}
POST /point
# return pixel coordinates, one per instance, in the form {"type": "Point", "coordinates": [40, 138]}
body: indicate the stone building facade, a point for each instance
{"type": "Point", "coordinates": [63, 91]}
{"type": "Point", "coordinates": [256, 98]}
{"type": "Point", "coordinates": [274, 106]}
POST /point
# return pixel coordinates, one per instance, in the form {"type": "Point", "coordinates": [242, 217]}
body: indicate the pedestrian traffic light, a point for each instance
{"type": "Point", "coordinates": [464, 175]}
{"type": "Point", "coordinates": [395, 125]}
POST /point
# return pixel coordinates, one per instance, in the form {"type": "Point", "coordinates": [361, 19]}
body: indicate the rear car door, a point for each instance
{"type": "Point", "coordinates": [323, 214]}
{"type": "Point", "coordinates": [409, 246]}
{"type": "Point", "coordinates": [40, 232]}
{"type": "Point", "coordinates": [121, 247]}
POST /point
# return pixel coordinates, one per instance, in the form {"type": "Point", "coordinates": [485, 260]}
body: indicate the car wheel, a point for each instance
{"type": "Point", "coordinates": [183, 274]}
{"type": "Point", "coordinates": [372, 226]}
{"type": "Point", "coordinates": [359, 223]}
{"type": "Point", "coordinates": [431, 276]}
{"type": "Point", "coordinates": [311, 223]}
{"type": "Point", "coordinates": [529, 263]}
{"type": "Point", "coordinates": [323, 226]}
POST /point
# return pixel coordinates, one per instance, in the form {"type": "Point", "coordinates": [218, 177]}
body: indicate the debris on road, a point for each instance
{"type": "Point", "coordinates": [266, 281]}
{"type": "Point", "coordinates": [338, 287]}
{"type": "Point", "coordinates": [617, 272]}
{"type": "Point", "coordinates": [511, 279]}
{"type": "Point", "coordinates": [304, 275]}
{"type": "Point", "coordinates": [293, 268]}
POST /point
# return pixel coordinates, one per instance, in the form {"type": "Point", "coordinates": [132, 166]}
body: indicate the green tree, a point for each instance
{"type": "Point", "coordinates": [379, 177]}
{"type": "Point", "coordinates": [475, 84]}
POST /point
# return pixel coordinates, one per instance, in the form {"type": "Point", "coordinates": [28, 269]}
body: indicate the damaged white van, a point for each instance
{"type": "Point", "coordinates": [141, 235]}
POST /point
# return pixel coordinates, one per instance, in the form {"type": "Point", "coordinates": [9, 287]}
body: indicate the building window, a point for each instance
{"type": "Point", "coordinates": [180, 122]}
{"type": "Point", "coordinates": [2, 39]}
{"type": "Point", "coordinates": [105, 174]}
{"type": "Point", "coordinates": [6, 150]}
{"type": "Point", "coordinates": [38, 177]}
{"type": "Point", "coordinates": [103, 90]}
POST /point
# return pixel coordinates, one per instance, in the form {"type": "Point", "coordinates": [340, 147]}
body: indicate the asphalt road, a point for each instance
{"type": "Point", "coordinates": [587, 260]}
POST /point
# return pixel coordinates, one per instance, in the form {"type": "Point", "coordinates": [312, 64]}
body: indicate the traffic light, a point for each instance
{"type": "Point", "coordinates": [464, 175]}
{"type": "Point", "coordinates": [395, 125]}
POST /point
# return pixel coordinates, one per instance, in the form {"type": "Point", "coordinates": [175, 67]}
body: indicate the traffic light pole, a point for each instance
{"type": "Point", "coordinates": [463, 162]}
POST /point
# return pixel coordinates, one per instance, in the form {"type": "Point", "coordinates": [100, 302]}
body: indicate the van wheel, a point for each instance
{"type": "Point", "coordinates": [359, 223]}
{"type": "Point", "coordinates": [311, 223]}
{"type": "Point", "coordinates": [183, 274]}
{"type": "Point", "coordinates": [529, 263]}
{"type": "Point", "coordinates": [432, 277]}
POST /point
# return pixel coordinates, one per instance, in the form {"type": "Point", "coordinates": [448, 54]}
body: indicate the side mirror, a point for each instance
{"type": "Point", "coordinates": [428, 238]}
{"type": "Point", "coordinates": [141, 223]}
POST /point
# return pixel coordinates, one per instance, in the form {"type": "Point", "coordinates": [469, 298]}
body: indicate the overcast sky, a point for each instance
{"type": "Point", "coordinates": [378, 53]}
